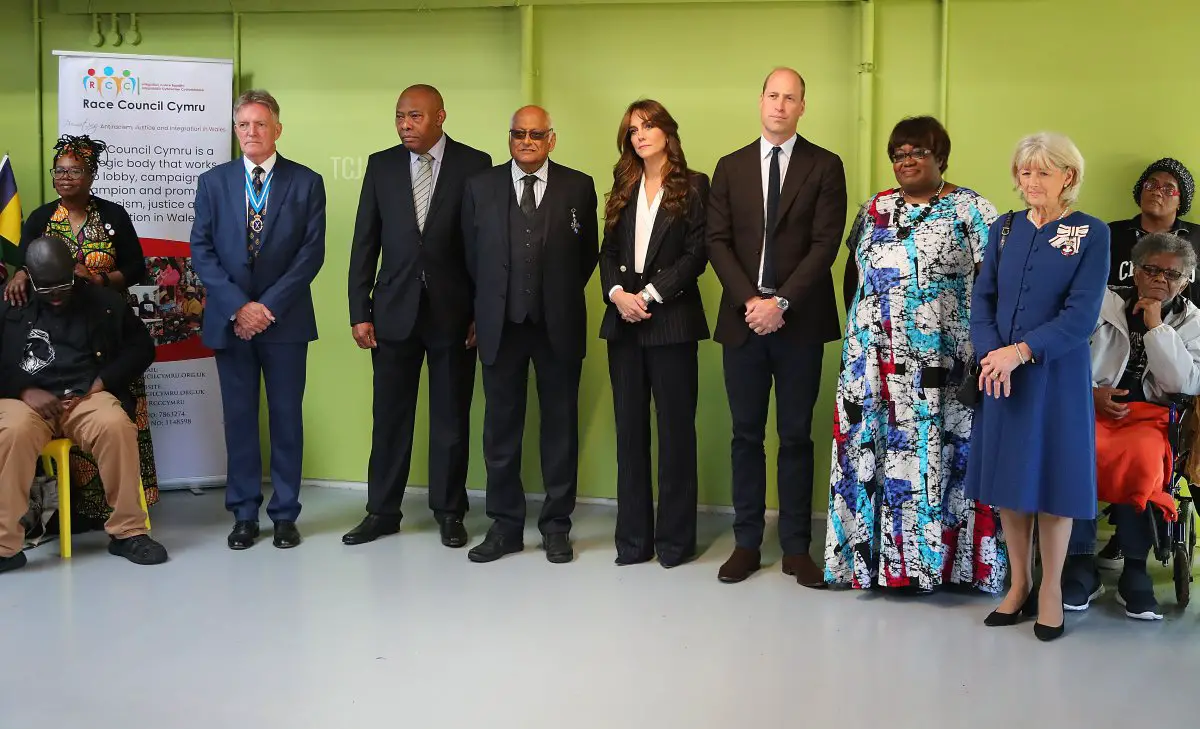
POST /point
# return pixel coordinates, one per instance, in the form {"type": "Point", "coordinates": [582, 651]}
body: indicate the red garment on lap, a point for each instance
{"type": "Point", "coordinates": [1133, 458]}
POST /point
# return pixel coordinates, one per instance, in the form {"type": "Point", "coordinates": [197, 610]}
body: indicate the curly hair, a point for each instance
{"type": "Point", "coordinates": [84, 148]}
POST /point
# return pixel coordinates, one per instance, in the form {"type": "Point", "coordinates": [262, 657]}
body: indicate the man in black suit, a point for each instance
{"type": "Point", "coordinates": [531, 240]}
{"type": "Point", "coordinates": [775, 219]}
{"type": "Point", "coordinates": [418, 307]}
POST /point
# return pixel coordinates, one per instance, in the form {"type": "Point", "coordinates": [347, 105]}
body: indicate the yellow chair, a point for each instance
{"type": "Point", "coordinates": [58, 454]}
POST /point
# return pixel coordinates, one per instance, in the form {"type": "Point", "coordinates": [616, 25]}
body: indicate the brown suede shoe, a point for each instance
{"type": "Point", "coordinates": [740, 565]}
{"type": "Point", "coordinates": [806, 571]}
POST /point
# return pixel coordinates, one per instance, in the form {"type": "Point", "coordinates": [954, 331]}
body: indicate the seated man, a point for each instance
{"type": "Point", "coordinates": [1145, 348]}
{"type": "Point", "coordinates": [66, 362]}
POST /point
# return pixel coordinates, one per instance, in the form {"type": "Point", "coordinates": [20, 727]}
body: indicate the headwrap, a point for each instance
{"type": "Point", "coordinates": [86, 149]}
{"type": "Point", "coordinates": [1175, 168]}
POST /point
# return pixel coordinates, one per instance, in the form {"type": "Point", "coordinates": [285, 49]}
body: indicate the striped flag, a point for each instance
{"type": "Point", "coordinates": [10, 210]}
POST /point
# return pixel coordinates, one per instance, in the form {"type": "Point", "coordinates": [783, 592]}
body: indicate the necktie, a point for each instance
{"type": "Point", "coordinates": [528, 202]}
{"type": "Point", "coordinates": [423, 188]}
{"type": "Point", "coordinates": [767, 283]}
{"type": "Point", "coordinates": [257, 218]}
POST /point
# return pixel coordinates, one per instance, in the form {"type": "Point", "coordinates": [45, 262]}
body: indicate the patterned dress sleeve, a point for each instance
{"type": "Point", "coordinates": [850, 278]}
{"type": "Point", "coordinates": [978, 216]}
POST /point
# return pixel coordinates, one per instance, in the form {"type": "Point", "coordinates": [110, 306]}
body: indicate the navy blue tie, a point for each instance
{"type": "Point", "coordinates": [768, 269]}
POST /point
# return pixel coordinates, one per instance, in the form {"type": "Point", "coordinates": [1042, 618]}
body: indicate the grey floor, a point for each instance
{"type": "Point", "coordinates": [407, 633]}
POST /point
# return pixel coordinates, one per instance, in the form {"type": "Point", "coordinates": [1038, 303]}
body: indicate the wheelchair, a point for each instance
{"type": "Point", "coordinates": [1174, 542]}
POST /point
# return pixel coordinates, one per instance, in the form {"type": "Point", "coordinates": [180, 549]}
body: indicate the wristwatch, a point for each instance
{"type": "Point", "coordinates": [646, 296]}
{"type": "Point", "coordinates": [782, 303]}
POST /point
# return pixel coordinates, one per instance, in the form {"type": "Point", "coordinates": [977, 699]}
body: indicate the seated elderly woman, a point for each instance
{"type": "Point", "coordinates": [1146, 348]}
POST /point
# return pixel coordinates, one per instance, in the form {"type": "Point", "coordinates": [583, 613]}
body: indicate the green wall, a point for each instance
{"type": "Point", "coordinates": [1090, 68]}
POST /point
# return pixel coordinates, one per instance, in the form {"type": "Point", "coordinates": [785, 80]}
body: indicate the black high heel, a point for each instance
{"type": "Point", "coordinates": [1029, 609]}
{"type": "Point", "coordinates": [1046, 634]}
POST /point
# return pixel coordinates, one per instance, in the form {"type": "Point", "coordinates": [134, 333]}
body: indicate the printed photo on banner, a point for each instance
{"type": "Point", "coordinates": [172, 307]}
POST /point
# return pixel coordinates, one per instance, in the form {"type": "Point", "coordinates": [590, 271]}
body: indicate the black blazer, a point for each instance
{"type": "Point", "coordinates": [387, 223]}
{"type": "Point", "coordinates": [567, 262]}
{"type": "Point", "coordinates": [127, 248]}
{"type": "Point", "coordinates": [675, 259]}
{"type": "Point", "coordinates": [808, 233]}
{"type": "Point", "coordinates": [124, 349]}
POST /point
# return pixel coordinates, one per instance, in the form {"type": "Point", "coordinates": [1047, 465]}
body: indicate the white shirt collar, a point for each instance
{"type": "Point", "coordinates": [267, 166]}
{"type": "Point", "coordinates": [764, 147]}
{"type": "Point", "coordinates": [646, 202]}
{"type": "Point", "coordinates": [436, 151]}
{"type": "Point", "coordinates": [543, 173]}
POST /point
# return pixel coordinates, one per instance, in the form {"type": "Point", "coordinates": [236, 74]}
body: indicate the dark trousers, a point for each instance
{"type": "Point", "coordinates": [1135, 532]}
{"type": "Point", "coordinates": [282, 367]}
{"type": "Point", "coordinates": [795, 370]}
{"type": "Point", "coordinates": [505, 385]}
{"type": "Point", "coordinates": [668, 374]}
{"type": "Point", "coordinates": [397, 380]}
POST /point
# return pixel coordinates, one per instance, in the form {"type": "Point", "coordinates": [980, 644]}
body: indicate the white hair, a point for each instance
{"type": "Point", "coordinates": [1045, 150]}
{"type": "Point", "coordinates": [256, 96]}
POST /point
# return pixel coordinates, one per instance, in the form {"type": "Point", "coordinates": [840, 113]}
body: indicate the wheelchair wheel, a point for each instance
{"type": "Point", "coordinates": [1183, 576]}
{"type": "Point", "coordinates": [1184, 553]}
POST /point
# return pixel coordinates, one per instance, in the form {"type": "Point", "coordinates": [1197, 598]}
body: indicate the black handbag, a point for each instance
{"type": "Point", "coordinates": [968, 389]}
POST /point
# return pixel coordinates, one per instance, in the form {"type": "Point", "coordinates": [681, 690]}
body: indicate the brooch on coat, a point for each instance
{"type": "Point", "coordinates": [574, 222]}
{"type": "Point", "coordinates": [1068, 239]}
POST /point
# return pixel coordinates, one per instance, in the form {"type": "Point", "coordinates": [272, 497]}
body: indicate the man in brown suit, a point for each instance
{"type": "Point", "coordinates": [775, 219]}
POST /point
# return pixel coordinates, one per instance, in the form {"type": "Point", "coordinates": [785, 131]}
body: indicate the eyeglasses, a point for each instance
{"type": "Point", "coordinates": [47, 290]}
{"type": "Point", "coordinates": [1169, 274]}
{"type": "Point", "coordinates": [536, 135]}
{"type": "Point", "coordinates": [918, 154]}
{"type": "Point", "coordinates": [63, 173]}
{"type": "Point", "coordinates": [1168, 189]}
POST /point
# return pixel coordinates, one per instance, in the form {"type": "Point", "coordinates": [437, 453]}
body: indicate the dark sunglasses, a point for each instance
{"type": "Point", "coordinates": [47, 290]}
{"type": "Point", "coordinates": [537, 135]}
{"type": "Point", "coordinates": [1169, 274]}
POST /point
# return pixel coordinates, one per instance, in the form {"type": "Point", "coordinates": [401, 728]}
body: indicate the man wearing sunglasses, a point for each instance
{"type": "Point", "coordinates": [529, 228]}
{"type": "Point", "coordinates": [67, 359]}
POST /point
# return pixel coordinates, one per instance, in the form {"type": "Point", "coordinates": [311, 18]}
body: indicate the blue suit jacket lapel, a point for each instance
{"type": "Point", "coordinates": [235, 193]}
{"type": "Point", "coordinates": [281, 182]}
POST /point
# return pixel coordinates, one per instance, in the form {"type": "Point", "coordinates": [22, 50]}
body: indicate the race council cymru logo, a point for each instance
{"type": "Point", "coordinates": [106, 82]}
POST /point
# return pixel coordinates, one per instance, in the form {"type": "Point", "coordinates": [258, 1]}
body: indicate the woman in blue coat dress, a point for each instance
{"type": "Point", "coordinates": [1033, 448]}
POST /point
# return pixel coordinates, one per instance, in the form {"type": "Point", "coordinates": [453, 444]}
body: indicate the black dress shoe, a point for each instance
{"type": "Point", "coordinates": [372, 527]}
{"type": "Point", "coordinates": [243, 535]}
{"type": "Point", "coordinates": [558, 548]}
{"type": "Point", "coordinates": [286, 535]}
{"type": "Point", "coordinates": [668, 561]}
{"type": "Point", "coordinates": [624, 560]}
{"type": "Point", "coordinates": [1029, 609]}
{"type": "Point", "coordinates": [454, 534]}
{"type": "Point", "coordinates": [495, 545]}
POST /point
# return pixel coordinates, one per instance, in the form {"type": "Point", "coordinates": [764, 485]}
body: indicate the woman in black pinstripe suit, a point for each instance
{"type": "Point", "coordinates": [652, 254]}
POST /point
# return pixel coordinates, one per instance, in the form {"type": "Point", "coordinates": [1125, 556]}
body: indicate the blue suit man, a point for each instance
{"type": "Point", "coordinates": [258, 242]}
